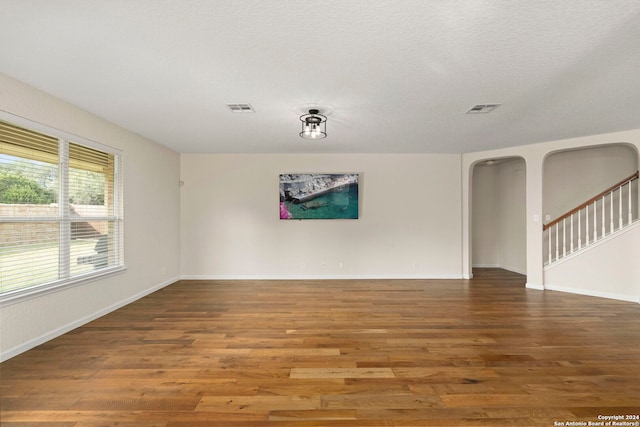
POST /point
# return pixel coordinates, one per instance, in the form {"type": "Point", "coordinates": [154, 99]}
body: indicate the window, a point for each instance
{"type": "Point", "coordinates": [60, 210]}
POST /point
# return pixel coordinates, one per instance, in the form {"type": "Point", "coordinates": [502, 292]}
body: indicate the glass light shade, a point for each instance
{"type": "Point", "coordinates": [314, 125]}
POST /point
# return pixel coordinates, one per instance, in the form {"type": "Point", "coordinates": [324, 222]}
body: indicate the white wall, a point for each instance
{"type": "Point", "coordinates": [512, 246]}
{"type": "Point", "coordinates": [152, 220]}
{"type": "Point", "coordinates": [574, 176]}
{"type": "Point", "coordinates": [498, 215]}
{"type": "Point", "coordinates": [409, 226]}
{"type": "Point", "coordinates": [485, 218]}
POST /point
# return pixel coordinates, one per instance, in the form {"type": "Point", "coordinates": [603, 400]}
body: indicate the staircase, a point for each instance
{"type": "Point", "coordinates": [601, 216]}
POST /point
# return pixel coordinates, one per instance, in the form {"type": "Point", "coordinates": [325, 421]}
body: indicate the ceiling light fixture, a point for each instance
{"type": "Point", "coordinates": [314, 125]}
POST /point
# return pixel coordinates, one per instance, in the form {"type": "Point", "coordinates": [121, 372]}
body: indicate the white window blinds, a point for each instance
{"type": "Point", "coordinates": [60, 211]}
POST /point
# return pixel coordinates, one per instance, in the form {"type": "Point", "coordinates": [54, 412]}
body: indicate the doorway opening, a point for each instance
{"type": "Point", "coordinates": [498, 215]}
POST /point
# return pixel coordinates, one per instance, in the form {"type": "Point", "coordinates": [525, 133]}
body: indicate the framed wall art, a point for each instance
{"type": "Point", "coordinates": [319, 196]}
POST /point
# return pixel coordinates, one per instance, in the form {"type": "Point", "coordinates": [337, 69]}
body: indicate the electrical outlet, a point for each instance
{"type": "Point", "coordinates": [323, 264]}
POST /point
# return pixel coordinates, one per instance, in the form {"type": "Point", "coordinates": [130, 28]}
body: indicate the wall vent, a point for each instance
{"type": "Point", "coordinates": [241, 108]}
{"type": "Point", "coordinates": [482, 108]}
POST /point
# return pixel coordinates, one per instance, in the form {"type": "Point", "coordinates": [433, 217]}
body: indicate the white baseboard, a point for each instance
{"type": "Point", "coordinates": [12, 352]}
{"type": "Point", "coordinates": [319, 277]}
{"type": "Point", "coordinates": [535, 286]}
{"type": "Point", "coordinates": [587, 292]}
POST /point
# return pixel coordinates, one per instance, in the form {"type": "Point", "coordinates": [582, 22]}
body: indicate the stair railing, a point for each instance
{"type": "Point", "coordinates": [612, 210]}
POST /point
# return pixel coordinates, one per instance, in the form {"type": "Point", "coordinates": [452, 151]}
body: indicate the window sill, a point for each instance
{"type": "Point", "coordinates": [22, 295]}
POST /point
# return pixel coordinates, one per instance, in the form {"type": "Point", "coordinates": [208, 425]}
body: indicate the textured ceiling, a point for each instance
{"type": "Point", "coordinates": [393, 76]}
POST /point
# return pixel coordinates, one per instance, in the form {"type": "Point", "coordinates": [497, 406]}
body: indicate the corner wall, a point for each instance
{"type": "Point", "coordinates": [152, 221]}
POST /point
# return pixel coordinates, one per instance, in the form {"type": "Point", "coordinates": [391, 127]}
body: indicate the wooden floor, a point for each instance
{"type": "Point", "coordinates": [483, 352]}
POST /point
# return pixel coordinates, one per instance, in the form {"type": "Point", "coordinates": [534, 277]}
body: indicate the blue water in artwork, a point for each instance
{"type": "Point", "coordinates": [341, 203]}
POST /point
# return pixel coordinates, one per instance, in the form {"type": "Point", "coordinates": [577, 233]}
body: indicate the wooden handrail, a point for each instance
{"type": "Point", "coordinates": [588, 202]}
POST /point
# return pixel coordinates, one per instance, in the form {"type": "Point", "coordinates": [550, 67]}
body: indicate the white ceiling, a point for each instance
{"type": "Point", "coordinates": [393, 76]}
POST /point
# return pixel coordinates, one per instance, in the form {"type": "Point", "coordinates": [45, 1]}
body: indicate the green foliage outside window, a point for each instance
{"type": "Point", "coordinates": [17, 189]}
{"type": "Point", "coordinates": [22, 183]}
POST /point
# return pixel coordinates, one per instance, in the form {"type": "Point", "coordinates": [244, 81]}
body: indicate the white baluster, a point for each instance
{"type": "Point", "coordinates": [604, 216]}
{"type": "Point", "coordinates": [579, 231]}
{"type": "Point", "coordinates": [595, 220]}
{"type": "Point", "coordinates": [557, 249]}
{"type": "Point", "coordinates": [564, 237]}
{"type": "Point", "coordinates": [611, 219]}
{"type": "Point", "coordinates": [630, 210]}
{"type": "Point", "coordinates": [620, 209]}
{"type": "Point", "coordinates": [549, 238]}
{"type": "Point", "coordinates": [571, 233]}
{"type": "Point", "coordinates": [586, 225]}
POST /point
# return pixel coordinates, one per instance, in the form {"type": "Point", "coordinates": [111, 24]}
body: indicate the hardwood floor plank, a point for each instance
{"type": "Point", "coordinates": [321, 373]}
{"type": "Point", "coordinates": [481, 352]}
{"type": "Point", "coordinates": [40, 424]}
{"type": "Point", "coordinates": [295, 352]}
{"type": "Point", "coordinates": [390, 400]}
{"type": "Point", "coordinates": [257, 404]}
{"type": "Point", "coordinates": [313, 415]}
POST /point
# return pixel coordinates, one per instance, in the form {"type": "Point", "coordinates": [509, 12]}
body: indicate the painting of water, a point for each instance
{"type": "Point", "coordinates": [319, 196]}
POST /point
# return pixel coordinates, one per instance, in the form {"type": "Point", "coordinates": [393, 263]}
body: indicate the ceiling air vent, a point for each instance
{"type": "Point", "coordinates": [241, 108]}
{"type": "Point", "coordinates": [482, 108]}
